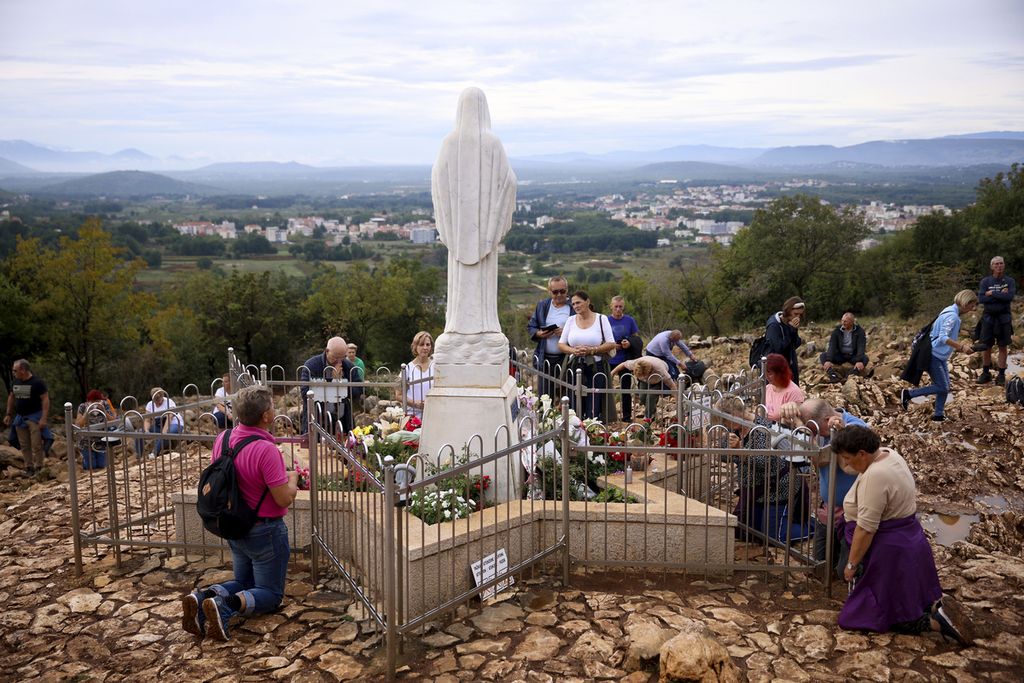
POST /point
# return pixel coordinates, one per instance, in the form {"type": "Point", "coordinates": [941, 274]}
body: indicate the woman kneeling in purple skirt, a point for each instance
{"type": "Point", "coordinates": [893, 582]}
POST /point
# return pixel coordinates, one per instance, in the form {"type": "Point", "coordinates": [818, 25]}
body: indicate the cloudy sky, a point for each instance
{"type": "Point", "coordinates": [346, 82]}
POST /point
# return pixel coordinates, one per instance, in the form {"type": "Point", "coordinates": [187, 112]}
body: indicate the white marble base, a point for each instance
{"type": "Point", "coordinates": [453, 415]}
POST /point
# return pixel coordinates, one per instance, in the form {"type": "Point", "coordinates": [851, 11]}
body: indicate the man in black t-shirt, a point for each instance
{"type": "Point", "coordinates": [28, 406]}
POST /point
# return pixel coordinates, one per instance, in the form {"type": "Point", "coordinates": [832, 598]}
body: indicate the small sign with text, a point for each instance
{"type": "Point", "coordinates": [489, 567]}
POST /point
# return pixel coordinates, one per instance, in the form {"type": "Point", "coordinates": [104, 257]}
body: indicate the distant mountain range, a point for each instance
{"type": "Point", "coordinates": [27, 167]}
{"type": "Point", "coordinates": [125, 184]}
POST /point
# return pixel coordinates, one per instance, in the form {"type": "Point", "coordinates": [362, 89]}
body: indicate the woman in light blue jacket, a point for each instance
{"type": "Point", "coordinates": [944, 337]}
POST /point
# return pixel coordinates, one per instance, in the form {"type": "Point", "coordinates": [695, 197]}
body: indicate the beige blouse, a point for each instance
{"type": "Point", "coordinates": [884, 491]}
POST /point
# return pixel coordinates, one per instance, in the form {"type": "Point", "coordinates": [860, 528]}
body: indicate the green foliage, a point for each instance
{"type": "Point", "coordinates": [250, 244]}
{"type": "Point", "coordinates": [19, 329]}
{"type": "Point", "coordinates": [380, 309]}
{"type": "Point", "coordinates": [797, 245]}
{"type": "Point", "coordinates": [254, 313]}
{"type": "Point", "coordinates": [83, 291]}
{"type": "Point", "coordinates": [613, 494]}
{"type": "Point", "coordinates": [583, 232]}
{"type": "Point", "coordinates": [203, 245]}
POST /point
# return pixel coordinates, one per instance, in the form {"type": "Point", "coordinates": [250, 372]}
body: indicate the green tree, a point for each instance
{"type": "Point", "coordinates": [82, 294]}
{"type": "Point", "coordinates": [380, 309]}
{"type": "Point", "coordinates": [18, 328]}
{"type": "Point", "coordinates": [797, 245]}
{"type": "Point", "coordinates": [252, 312]}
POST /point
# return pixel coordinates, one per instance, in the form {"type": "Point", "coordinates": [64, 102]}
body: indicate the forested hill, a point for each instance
{"type": "Point", "coordinates": [126, 184]}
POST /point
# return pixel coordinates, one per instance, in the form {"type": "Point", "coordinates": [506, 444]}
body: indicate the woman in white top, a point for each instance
{"type": "Point", "coordinates": [168, 423]}
{"type": "Point", "coordinates": [421, 368]}
{"type": "Point", "coordinates": [587, 342]}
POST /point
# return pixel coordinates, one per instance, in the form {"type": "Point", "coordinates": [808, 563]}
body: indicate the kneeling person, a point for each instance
{"type": "Point", "coordinates": [260, 559]}
{"type": "Point", "coordinates": [846, 346]}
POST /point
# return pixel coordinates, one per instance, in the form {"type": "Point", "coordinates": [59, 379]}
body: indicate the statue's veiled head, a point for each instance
{"type": "Point", "coordinates": [473, 113]}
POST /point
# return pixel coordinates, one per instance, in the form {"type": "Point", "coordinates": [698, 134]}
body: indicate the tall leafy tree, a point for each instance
{"type": "Point", "coordinates": [797, 245]}
{"type": "Point", "coordinates": [380, 309]}
{"type": "Point", "coordinates": [82, 296]}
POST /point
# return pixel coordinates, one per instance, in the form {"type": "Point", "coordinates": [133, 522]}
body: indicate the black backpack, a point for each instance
{"type": "Point", "coordinates": [758, 349]}
{"type": "Point", "coordinates": [920, 355]}
{"type": "Point", "coordinates": [220, 503]}
{"type": "Point", "coordinates": [1015, 390]}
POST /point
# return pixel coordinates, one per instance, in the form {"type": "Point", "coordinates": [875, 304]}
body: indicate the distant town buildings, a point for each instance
{"type": "Point", "coordinates": [677, 212]}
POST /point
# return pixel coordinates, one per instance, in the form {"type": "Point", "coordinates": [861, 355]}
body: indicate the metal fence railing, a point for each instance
{"type": "Point", "coordinates": [413, 540]}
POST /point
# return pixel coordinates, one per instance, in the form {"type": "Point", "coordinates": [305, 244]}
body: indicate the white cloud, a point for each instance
{"type": "Point", "coordinates": [317, 80]}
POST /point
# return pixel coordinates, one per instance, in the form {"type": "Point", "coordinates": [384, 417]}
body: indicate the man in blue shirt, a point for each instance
{"type": "Point", "coordinates": [623, 328]}
{"type": "Point", "coordinates": [821, 418]}
{"type": "Point", "coordinates": [661, 346]}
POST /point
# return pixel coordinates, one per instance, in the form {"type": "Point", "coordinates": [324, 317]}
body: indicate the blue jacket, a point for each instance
{"type": "Point", "coordinates": [540, 314]}
{"type": "Point", "coordinates": [946, 326]}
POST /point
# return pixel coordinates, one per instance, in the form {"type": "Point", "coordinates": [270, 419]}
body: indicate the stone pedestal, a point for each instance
{"type": "Point", "coordinates": [471, 402]}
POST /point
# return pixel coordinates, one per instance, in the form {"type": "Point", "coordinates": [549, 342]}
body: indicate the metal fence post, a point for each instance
{"type": "Point", "coordinates": [76, 536]}
{"type": "Point", "coordinates": [314, 489]}
{"type": "Point", "coordinates": [390, 560]}
{"type": "Point", "coordinates": [403, 390]}
{"type": "Point", "coordinates": [830, 520]}
{"type": "Point", "coordinates": [565, 490]}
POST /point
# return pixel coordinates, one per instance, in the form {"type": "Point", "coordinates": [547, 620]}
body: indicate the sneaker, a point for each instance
{"type": "Point", "coordinates": [985, 377]}
{"type": "Point", "coordinates": [1001, 379]}
{"type": "Point", "coordinates": [938, 418]}
{"type": "Point", "coordinates": [151, 456]}
{"type": "Point", "coordinates": [953, 623]}
{"type": "Point", "coordinates": [193, 620]}
{"type": "Point", "coordinates": [904, 398]}
{"type": "Point", "coordinates": [833, 377]}
{"type": "Point", "coordinates": [216, 621]}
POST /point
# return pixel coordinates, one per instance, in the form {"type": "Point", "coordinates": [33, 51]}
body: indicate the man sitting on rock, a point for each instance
{"type": "Point", "coordinates": [846, 347]}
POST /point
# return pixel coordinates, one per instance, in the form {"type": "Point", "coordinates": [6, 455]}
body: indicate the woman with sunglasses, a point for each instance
{"type": "Point", "coordinates": [587, 342]}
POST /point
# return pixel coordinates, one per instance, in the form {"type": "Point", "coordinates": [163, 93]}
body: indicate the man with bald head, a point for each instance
{"type": "Point", "coordinates": [821, 418]}
{"type": "Point", "coordinates": [331, 365]}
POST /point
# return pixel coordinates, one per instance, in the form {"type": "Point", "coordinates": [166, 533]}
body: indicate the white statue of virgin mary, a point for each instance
{"type": "Point", "coordinates": [474, 192]}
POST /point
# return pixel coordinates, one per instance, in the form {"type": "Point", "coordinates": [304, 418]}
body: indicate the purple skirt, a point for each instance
{"type": "Point", "coordinates": [899, 583]}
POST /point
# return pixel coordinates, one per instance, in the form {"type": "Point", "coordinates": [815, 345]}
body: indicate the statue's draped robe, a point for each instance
{"type": "Point", "coordinates": [474, 193]}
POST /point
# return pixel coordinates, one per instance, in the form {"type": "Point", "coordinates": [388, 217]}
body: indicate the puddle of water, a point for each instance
{"type": "Point", "coordinates": [948, 529]}
{"type": "Point", "coordinates": [1015, 363]}
{"type": "Point", "coordinates": [994, 502]}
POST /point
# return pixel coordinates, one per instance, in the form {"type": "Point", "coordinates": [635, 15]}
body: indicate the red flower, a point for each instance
{"type": "Point", "coordinates": [668, 439]}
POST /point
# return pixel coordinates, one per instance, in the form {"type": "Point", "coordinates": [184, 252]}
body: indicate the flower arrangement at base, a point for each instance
{"type": "Point", "coordinates": [454, 497]}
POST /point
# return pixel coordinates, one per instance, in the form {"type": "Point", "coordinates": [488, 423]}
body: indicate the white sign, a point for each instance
{"type": "Point", "coordinates": [489, 567]}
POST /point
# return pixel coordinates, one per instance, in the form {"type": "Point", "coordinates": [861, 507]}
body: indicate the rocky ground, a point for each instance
{"type": "Point", "coordinates": [124, 624]}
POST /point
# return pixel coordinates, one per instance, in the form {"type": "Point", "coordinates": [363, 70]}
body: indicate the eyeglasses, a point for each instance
{"type": "Point", "coordinates": [556, 292]}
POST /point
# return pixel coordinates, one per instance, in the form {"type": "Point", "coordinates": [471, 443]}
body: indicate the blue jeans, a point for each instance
{"type": "Point", "coordinates": [938, 370]}
{"type": "Point", "coordinates": [260, 563]}
{"type": "Point", "coordinates": [157, 428]}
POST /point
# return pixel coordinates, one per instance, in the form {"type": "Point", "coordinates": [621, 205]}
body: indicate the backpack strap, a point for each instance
{"type": "Point", "coordinates": [229, 452]}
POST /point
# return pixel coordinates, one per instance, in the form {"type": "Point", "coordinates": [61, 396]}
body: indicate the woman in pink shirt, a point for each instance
{"type": "Point", "coordinates": [779, 388]}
